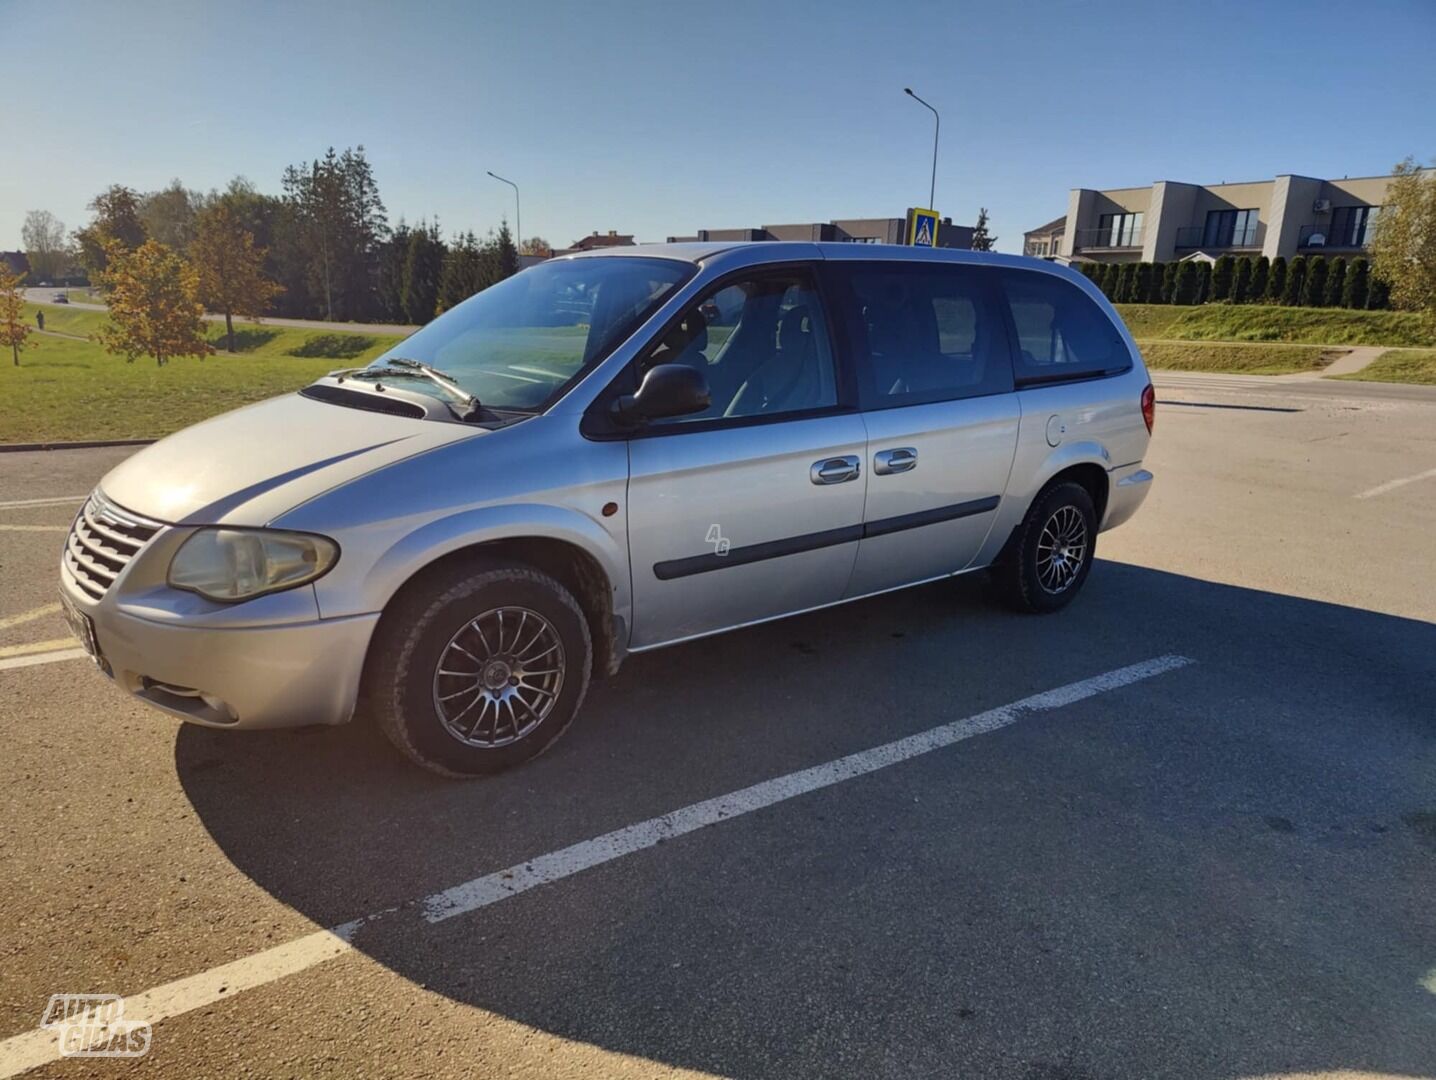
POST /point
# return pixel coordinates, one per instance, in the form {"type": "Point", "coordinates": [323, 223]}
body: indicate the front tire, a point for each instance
{"type": "Point", "coordinates": [1052, 552]}
{"type": "Point", "coordinates": [474, 674]}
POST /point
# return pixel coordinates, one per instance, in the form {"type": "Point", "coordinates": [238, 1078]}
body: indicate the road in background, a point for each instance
{"type": "Point", "coordinates": [1221, 871]}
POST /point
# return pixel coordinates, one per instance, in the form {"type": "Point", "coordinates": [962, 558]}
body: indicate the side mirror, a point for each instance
{"type": "Point", "coordinates": [667, 390]}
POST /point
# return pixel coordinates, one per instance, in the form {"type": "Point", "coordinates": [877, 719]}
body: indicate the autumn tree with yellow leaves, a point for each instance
{"type": "Point", "coordinates": [13, 327]}
{"type": "Point", "coordinates": [231, 268]}
{"type": "Point", "coordinates": [154, 304]}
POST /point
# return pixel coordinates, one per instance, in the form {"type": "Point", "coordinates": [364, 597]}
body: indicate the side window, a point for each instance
{"type": "Point", "coordinates": [761, 342]}
{"type": "Point", "coordinates": [1061, 333]}
{"type": "Point", "coordinates": [926, 333]}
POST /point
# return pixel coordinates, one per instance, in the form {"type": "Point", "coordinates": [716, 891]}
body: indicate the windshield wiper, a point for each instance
{"type": "Point", "coordinates": [417, 369]}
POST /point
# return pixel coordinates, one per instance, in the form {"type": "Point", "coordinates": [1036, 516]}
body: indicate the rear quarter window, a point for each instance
{"type": "Point", "coordinates": [1060, 333]}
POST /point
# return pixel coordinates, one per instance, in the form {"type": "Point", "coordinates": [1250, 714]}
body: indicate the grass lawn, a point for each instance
{"type": "Point", "coordinates": [1399, 365]}
{"type": "Point", "coordinates": [1262, 322]}
{"type": "Point", "coordinates": [66, 389]}
{"type": "Point", "coordinates": [82, 296]}
{"type": "Point", "coordinates": [1235, 359]}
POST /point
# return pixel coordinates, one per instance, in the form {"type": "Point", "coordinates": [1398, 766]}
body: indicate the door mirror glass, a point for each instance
{"type": "Point", "coordinates": [667, 390]}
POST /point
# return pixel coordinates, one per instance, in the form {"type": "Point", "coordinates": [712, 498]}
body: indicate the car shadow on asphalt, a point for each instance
{"type": "Point", "coordinates": [1223, 871]}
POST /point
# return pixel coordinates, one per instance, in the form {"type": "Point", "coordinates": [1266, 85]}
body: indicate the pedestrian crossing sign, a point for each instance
{"type": "Point", "coordinates": [922, 228]}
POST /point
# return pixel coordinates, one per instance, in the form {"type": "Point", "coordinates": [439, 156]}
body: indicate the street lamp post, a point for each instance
{"type": "Point", "coordinates": [936, 131]}
{"type": "Point", "coordinates": [518, 217]}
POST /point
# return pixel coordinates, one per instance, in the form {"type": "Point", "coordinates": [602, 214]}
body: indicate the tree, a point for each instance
{"type": "Point", "coordinates": [340, 227]}
{"type": "Point", "coordinates": [1222, 275]}
{"type": "Point", "coordinates": [1242, 280]}
{"type": "Point", "coordinates": [154, 304]}
{"type": "Point", "coordinates": [464, 271]}
{"type": "Point", "coordinates": [1335, 283]}
{"type": "Point", "coordinates": [389, 276]}
{"type": "Point", "coordinates": [1142, 283]}
{"type": "Point", "coordinates": [169, 215]}
{"type": "Point", "coordinates": [505, 254]}
{"type": "Point", "coordinates": [1403, 245]}
{"type": "Point", "coordinates": [1356, 289]}
{"type": "Point", "coordinates": [1295, 282]}
{"type": "Point", "coordinates": [1260, 273]}
{"type": "Point", "coordinates": [1378, 296]}
{"type": "Point", "coordinates": [230, 267]}
{"type": "Point", "coordinates": [423, 266]}
{"type": "Point", "coordinates": [1204, 282]}
{"type": "Point", "coordinates": [536, 245]}
{"type": "Point", "coordinates": [1122, 291]}
{"type": "Point", "coordinates": [1313, 289]}
{"type": "Point", "coordinates": [981, 241]}
{"type": "Point", "coordinates": [1169, 283]}
{"type": "Point", "coordinates": [116, 226]}
{"type": "Point", "coordinates": [14, 327]}
{"type": "Point", "coordinates": [1184, 288]}
{"type": "Point", "coordinates": [44, 237]}
{"type": "Point", "coordinates": [1276, 283]}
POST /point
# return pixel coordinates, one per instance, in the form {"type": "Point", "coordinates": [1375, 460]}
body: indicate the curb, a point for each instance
{"type": "Point", "coordinates": [15, 448]}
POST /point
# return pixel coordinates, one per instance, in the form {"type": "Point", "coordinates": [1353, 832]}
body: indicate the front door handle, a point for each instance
{"type": "Point", "coordinates": [886, 462]}
{"type": "Point", "coordinates": [835, 470]}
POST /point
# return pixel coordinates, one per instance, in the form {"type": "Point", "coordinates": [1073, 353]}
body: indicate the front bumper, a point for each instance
{"type": "Point", "coordinates": [288, 675]}
{"type": "Point", "coordinates": [1126, 491]}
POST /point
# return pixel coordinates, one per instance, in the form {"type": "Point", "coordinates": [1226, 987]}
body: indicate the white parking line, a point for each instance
{"type": "Point", "coordinates": [28, 616]}
{"type": "Point", "coordinates": [33, 1048]}
{"type": "Point", "coordinates": [35, 528]}
{"type": "Point", "coordinates": [53, 500]}
{"type": "Point", "coordinates": [41, 658]}
{"type": "Point", "coordinates": [1392, 485]}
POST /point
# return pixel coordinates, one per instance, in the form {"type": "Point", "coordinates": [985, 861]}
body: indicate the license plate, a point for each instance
{"type": "Point", "coordinates": [83, 627]}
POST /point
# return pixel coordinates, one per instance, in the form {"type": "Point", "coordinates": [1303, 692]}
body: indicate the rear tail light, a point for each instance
{"type": "Point", "coordinates": [1149, 407]}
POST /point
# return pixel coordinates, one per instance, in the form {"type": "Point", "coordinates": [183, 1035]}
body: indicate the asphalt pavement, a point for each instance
{"type": "Point", "coordinates": [1218, 867]}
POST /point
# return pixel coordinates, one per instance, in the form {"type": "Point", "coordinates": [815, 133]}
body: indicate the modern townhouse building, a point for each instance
{"type": "Point", "coordinates": [1288, 215]}
{"type": "Point", "coordinates": [849, 230]}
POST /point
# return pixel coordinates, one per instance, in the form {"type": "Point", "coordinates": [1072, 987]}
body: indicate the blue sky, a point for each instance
{"type": "Point", "coordinates": [662, 118]}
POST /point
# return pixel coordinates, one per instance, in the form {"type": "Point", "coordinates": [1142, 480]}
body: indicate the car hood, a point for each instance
{"type": "Point", "coordinates": [249, 466]}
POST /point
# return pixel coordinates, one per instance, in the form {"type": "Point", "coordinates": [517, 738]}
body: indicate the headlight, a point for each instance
{"type": "Point", "coordinates": [238, 564]}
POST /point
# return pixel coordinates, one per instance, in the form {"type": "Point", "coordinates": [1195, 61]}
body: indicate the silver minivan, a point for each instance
{"type": "Point", "coordinates": [605, 454]}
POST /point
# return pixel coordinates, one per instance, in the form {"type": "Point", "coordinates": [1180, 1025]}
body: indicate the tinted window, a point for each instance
{"type": "Point", "coordinates": [761, 342]}
{"type": "Point", "coordinates": [1061, 333]}
{"type": "Point", "coordinates": [926, 333]}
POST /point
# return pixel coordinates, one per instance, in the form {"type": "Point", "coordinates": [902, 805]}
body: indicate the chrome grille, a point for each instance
{"type": "Point", "coordinates": [102, 540]}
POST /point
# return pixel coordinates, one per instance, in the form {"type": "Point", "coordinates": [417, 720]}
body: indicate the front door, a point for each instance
{"type": "Point", "coordinates": [935, 382]}
{"type": "Point", "coordinates": [752, 508]}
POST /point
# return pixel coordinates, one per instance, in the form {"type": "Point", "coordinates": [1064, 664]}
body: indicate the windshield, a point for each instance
{"type": "Point", "coordinates": [516, 343]}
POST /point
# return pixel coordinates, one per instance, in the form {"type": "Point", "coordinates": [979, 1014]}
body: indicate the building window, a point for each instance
{"type": "Point", "coordinates": [1351, 226]}
{"type": "Point", "coordinates": [1230, 228]}
{"type": "Point", "coordinates": [1119, 230]}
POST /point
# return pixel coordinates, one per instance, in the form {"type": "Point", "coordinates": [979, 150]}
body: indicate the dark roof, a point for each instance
{"type": "Point", "coordinates": [1051, 226]}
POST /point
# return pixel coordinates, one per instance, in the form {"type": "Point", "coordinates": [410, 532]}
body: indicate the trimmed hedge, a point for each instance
{"type": "Point", "coordinates": [1317, 281]}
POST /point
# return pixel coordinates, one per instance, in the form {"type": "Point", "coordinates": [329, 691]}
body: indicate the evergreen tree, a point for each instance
{"type": "Point", "coordinates": [1260, 272]}
{"type": "Point", "coordinates": [1142, 283]}
{"type": "Point", "coordinates": [389, 279]}
{"type": "Point", "coordinates": [1295, 282]}
{"type": "Point", "coordinates": [1223, 274]}
{"type": "Point", "coordinates": [463, 274]}
{"type": "Point", "coordinates": [1204, 282]}
{"type": "Point", "coordinates": [1242, 281]}
{"type": "Point", "coordinates": [1378, 295]}
{"type": "Point", "coordinates": [423, 265]}
{"type": "Point", "coordinates": [1122, 293]}
{"type": "Point", "coordinates": [1276, 283]}
{"type": "Point", "coordinates": [1184, 287]}
{"type": "Point", "coordinates": [981, 241]}
{"type": "Point", "coordinates": [1335, 283]}
{"type": "Point", "coordinates": [1357, 288]}
{"type": "Point", "coordinates": [1169, 283]}
{"type": "Point", "coordinates": [506, 254]}
{"type": "Point", "coordinates": [1313, 290]}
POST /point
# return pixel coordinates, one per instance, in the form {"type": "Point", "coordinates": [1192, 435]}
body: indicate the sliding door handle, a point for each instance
{"type": "Point", "coordinates": [887, 462]}
{"type": "Point", "coordinates": [835, 470]}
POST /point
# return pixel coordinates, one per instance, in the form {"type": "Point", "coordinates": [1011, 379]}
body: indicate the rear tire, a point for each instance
{"type": "Point", "coordinates": [1052, 551]}
{"type": "Point", "coordinates": [476, 673]}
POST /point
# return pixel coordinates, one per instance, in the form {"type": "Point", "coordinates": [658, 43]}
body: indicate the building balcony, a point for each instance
{"type": "Point", "coordinates": [1108, 239]}
{"type": "Point", "coordinates": [1353, 237]}
{"type": "Point", "coordinates": [1196, 237]}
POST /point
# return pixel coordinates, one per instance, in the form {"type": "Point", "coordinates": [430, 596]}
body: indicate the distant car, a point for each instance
{"type": "Point", "coordinates": [61, 298]}
{"type": "Point", "coordinates": [460, 552]}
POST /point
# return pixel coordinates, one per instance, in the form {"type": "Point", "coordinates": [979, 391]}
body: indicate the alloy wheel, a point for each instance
{"type": "Point", "coordinates": [1061, 549]}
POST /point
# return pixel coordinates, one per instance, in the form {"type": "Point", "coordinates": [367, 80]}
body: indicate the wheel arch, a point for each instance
{"type": "Point", "coordinates": [1089, 472]}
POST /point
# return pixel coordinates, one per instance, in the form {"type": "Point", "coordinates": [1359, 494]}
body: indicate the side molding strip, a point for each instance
{"type": "Point", "coordinates": [793, 545]}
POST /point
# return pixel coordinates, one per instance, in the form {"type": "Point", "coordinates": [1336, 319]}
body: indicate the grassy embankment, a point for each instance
{"type": "Point", "coordinates": [1257, 339]}
{"type": "Point", "coordinates": [1399, 365]}
{"type": "Point", "coordinates": [68, 388]}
